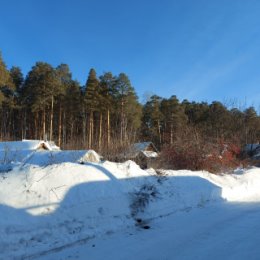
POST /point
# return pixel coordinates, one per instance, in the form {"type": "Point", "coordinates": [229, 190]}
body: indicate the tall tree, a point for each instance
{"type": "Point", "coordinates": [71, 115]}
{"type": "Point", "coordinates": [17, 78]}
{"type": "Point", "coordinates": [40, 88]}
{"type": "Point", "coordinates": [218, 119]}
{"type": "Point", "coordinates": [152, 119]}
{"type": "Point", "coordinates": [6, 99]}
{"type": "Point", "coordinates": [174, 117]}
{"type": "Point", "coordinates": [64, 78]}
{"type": "Point", "coordinates": [129, 112]}
{"type": "Point", "coordinates": [252, 125]}
{"type": "Point", "coordinates": [107, 92]}
{"type": "Point", "coordinates": [92, 103]}
{"type": "Point", "coordinates": [5, 78]}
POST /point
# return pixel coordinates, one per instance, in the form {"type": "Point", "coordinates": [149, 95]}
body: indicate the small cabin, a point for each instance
{"type": "Point", "coordinates": [27, 145]}
{"type": "Point", "coordinates": [143, 154]}
{"type": "Point", "coordinates": [43, 158]}
{"type": "Point", "coordinates": [41, 153]}
{"type": "Point", "coordinates": [19, 151]}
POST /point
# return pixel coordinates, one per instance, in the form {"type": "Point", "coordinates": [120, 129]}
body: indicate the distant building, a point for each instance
{"type": "Point", "coordinates": [43, 158]}
{"type": "Point", "coordinates": [41, 153]}
{"type": "Point", "coordinates": [28, 145]}
{"type": "Point", "coordinates": [142, 153]}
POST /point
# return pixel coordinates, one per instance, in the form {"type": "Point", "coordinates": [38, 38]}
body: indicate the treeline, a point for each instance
{"type": "Point", "coordinates": [166, 120]}
{"type": "Point", "coordinates": [105, 114]}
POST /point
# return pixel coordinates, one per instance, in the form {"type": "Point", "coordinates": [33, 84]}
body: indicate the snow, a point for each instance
{"type": "Point", "coordinates": [48, 205]}
{"type": "Point", "coordinates": [15, 152]}
{"type": "Point", "coordinates": [150, 154]}
{"type": "Point", "coordinates": [216, 232]}
{"type": "Point", "coordinates": [26, 145]}
{"type": "Point", "coordinates": [141, 148]}
{"type": "Point", "coordinates": [43, 158]}
{"type": "Point", "coordinates": [10, 158]}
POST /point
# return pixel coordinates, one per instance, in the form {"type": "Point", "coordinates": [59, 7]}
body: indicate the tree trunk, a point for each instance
{"type": "Point", "coordinates": [44, 125]}
{"type": "Point", "coordinates": [35, 126]}
{"type": "Point", "coordinates": [122, 123]}
{"type": "Point", "coordinates": [71, 131]}
{"type": "Point", "coordinates": [59, 131]}
{"type": "Point", "coordinates": [84, 123]}
{"type": "Point", "coordinates": [100, 131]}
{"type": "Point", "coordinates": [64, 129]}
{"type": "Point", "coordinates": [90, 137]}
{"type": "Point", "coordinates": [171, 134]}
{"type": "Point", "coordinates": [44, 122]}
{"type": "Point", "coordinates": [108, 128]}
{"type": "Point", "coordinates": [51, 118]}
{"type": "Point", "coordinates": [159, 131]}
{"type": "Point", "coordinates": [24, 134]}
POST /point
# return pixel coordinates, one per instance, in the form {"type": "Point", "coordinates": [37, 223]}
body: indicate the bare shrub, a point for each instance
{"type": "Point", "coordinates": [195, 152]}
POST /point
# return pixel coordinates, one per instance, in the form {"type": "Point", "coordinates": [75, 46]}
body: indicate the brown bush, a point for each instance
{"type": "Point", "coordinates": [200, 154]}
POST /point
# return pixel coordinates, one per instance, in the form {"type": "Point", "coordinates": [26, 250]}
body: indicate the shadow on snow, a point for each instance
{"type": "Point", "coordinates": [98, 207]}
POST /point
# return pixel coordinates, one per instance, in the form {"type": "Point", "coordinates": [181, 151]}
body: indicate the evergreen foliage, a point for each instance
{"type": "Point", "coordinates": [105, 112]}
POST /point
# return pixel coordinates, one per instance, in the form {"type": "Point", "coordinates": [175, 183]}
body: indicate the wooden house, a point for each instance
{"type": "Point", "coordinates": [143, 154]}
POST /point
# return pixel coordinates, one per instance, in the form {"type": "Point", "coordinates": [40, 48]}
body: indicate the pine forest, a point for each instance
{"type": "Point", "coordinates": [105, 114]}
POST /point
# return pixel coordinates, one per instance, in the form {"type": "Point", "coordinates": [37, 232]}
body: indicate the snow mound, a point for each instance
{"type": "Point", "coordinates": [241, 186]}
{"type": "Point", "coordinates": [45, 205]}
{"type": "Point", "coordinates": [26, 145]}
{"type": "Point", "coordinates": [44, 158]}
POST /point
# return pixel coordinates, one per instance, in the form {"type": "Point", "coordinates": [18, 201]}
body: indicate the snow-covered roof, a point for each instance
{"type": "Point", "coordinates": [146, 148]}
{"type": "Point", "coordinates": [10, 158]}
{"type": "Point", "coordinates": [27, 145]}
{"type": "Point", "coordinates": [150, 154]}
{"type": "Point", "coordinates": [43, 158]}
{"type": "Point", "coordinates": [143, 146]}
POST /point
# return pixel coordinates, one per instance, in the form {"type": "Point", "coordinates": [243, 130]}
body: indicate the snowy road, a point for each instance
{"type": "Point", "coordinates": [222, 231]}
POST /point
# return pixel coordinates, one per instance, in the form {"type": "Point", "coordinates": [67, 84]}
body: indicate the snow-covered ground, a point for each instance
{"type": "Point", "coordinates": [76, 210]}
{"type": "Point", "coordinates": [215, 232]}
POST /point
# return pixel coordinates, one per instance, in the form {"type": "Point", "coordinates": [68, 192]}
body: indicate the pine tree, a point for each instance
{"type": "Point", "coordinates": [71, 115]}
{"type": "Point", "coordinates": [92, 103]}
{"type": "Point", "coordinates": [17, 78]}
{"type": "Point", "coordinates": [107, 93]}
{"type": "Point", "coordinates": [64, 78]}
{"type": "Point", "coordinates": [40, 88]}
{"type": "Point", "coordinates": [152, 119]}
{"type": "Point", "coordinates": [5, 78]}
{"type": "Point", "coordinates": [129, 112]}
{"type": "Point", "coordinates": [218, 119]}
{"type": "Point", "coordinates": [6, 100]}
{"type": "Point", "coordinates": [173, 116]}
{"type": "Point", "coordinates": [252, 125]}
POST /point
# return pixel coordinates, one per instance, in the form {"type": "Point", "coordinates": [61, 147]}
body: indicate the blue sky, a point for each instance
{"type": "Point", "coordinates": [200, 50]}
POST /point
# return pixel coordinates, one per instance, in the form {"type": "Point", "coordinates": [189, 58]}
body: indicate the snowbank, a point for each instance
{"type": "Point", "coordinates": [45, 158]}
{"type": "Point", "coordinates": [241, 186]}
{"type": "Point", "coordinates": [45, 205]}
{"type": "Point", "coordinates": [26, 145]}
{"type": "Point", "coordinates": [8, 158]}
{"type": "Point", "coordinates": [14, 152]}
